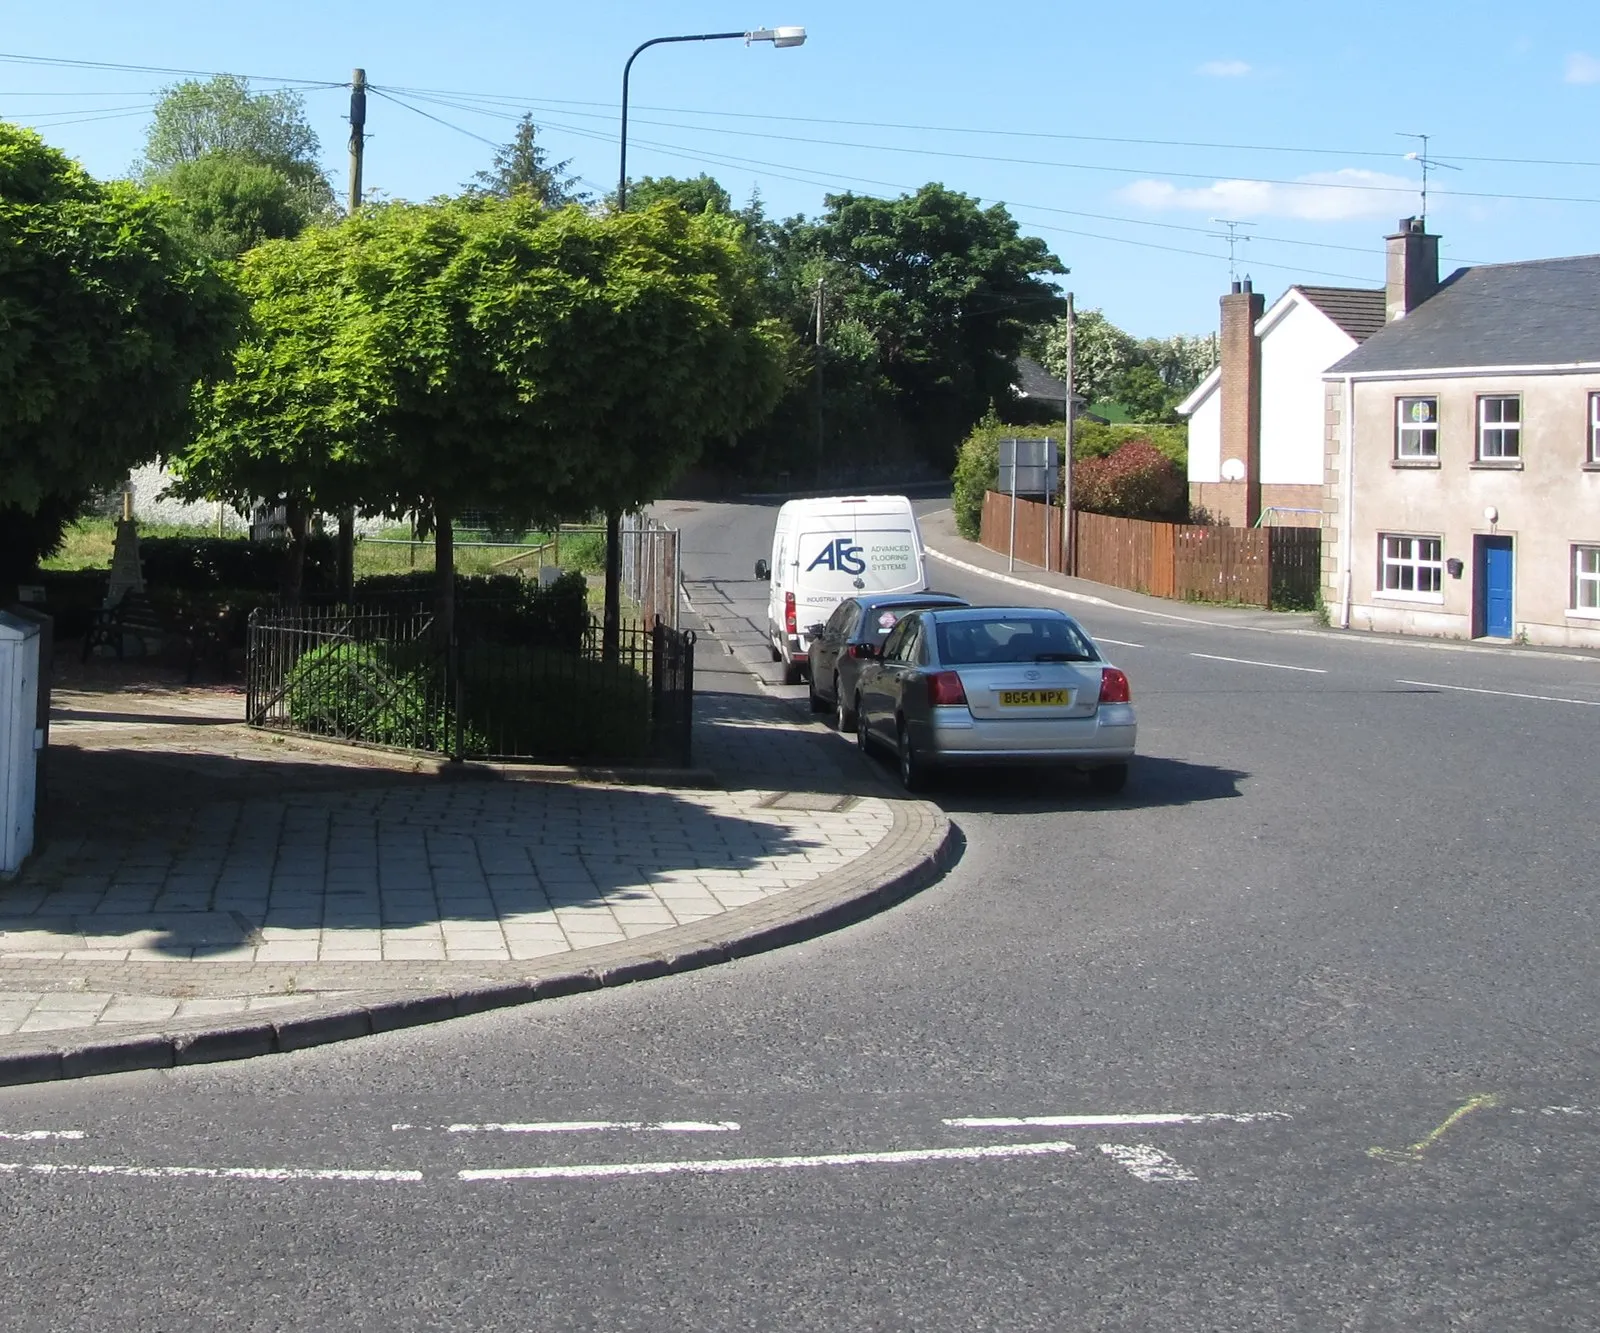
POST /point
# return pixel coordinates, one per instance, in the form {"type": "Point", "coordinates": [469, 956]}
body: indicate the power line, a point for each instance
{"type": "Point", "coordinates": [55, 62]}
{"type": "Point", "coordinates": [1146, 172]}
{"type": "Point", "coordinates": [1305, 150]}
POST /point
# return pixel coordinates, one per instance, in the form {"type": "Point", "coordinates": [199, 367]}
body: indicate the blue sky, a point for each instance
{"type": "Point", "coordinates": [1014, 101]}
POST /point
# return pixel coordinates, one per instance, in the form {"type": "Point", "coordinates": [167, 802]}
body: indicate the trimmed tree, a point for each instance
{"type": "Point", "coordinates": [490, 353]}
{"type": "Point", "coordinates": [106, 323]}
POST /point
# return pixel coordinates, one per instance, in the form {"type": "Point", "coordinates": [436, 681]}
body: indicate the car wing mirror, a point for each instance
{"type": "Point", "coordinates": [763, 570]}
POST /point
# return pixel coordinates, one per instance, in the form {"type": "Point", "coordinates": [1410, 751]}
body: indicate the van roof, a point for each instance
{"type": "Point", "coordinates": [827, 504]}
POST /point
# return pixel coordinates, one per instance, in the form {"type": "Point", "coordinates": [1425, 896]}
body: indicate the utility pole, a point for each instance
{"type": "Point", "coordinates": [1069, 553]}
{"type": "Point", "coordinates": [358, 140]}
{"type": "Point", "coordinates": [820, 354]}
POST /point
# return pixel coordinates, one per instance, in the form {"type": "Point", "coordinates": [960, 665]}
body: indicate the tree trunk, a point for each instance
{"type": "Point", "coordinates": [444, 575]}
{"type": "Point", "coordinates": [347, 556]}
{"type": "Point", "coordinates": [297, 519]}
{"type": "Point", "coordinates": [611, 624]}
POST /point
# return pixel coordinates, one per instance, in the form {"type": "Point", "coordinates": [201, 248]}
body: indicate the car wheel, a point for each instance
{"type": "Point", "coordinates": [818, 703]}
{"type": "Point", "coordinates": [1108, 781]}
{"type": "Point", "coordinates": [844, 716]}
{"type": "Point", "coordinates": [793, 673]}
{"type": "Point", "coordinates": [777, 655]}
{"type": "Point", "coordinates": [914, 773]}
{"type": "Point", "coordinates": [863, 735]}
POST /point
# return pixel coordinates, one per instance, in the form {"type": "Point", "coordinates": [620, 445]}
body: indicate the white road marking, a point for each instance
{"type": "Point", "coordinates": [1121, 643]}
{"type": "Point", "coordinates": [587, 1126]}
{"type": "Point", "coordinates": [35, 1135]}
{"type": "Point", "coordinates": [208, 1172]}
{"type": "Point", "coordinates": [1148, 1163]}
{"type": "Point", "coordinates": [1245, 661]}
{"type": "Point", "coordinates": [718, 1166]}
{"type": "Point", "coordinates": [1091, 1121]}
{"type": "Point", "coordinates": [1504, 694]}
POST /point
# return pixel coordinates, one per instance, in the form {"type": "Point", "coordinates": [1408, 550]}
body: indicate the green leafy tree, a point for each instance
{"type": "Point", "coordinates": [197, 118]}
{"type": "Point", "coordinates": [1143, 394]}
{"type": "Point", "coordinates": [947, 288]}
{"type": "Point", "coordinates": [1181, 361]}
{"type": "Point", "coordinates": [106, 323]}
{"type": "Point", "coordinates": [485, 353]}
{"type": "Point", "coordinates": [229, 204]}
{"type": "Point", "coordinates": [697, 194]}
{"type": "Point", "coordinates": [524, 167]}
{"type": "Point", "coordinates": [1102, 353]}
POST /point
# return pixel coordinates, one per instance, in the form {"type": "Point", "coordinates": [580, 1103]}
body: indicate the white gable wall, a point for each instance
{"type": "Point", "coordinates": [1297, 345]}
{"type": "Point", "coordinates": [1205, 438]}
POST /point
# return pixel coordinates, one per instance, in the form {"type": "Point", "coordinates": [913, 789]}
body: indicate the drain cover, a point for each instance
{"type": "Point", "coordinates": [815, 801]}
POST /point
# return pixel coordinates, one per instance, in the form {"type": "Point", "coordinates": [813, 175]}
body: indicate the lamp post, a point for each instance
{"type": "Point", "coordinates": [779, 37]}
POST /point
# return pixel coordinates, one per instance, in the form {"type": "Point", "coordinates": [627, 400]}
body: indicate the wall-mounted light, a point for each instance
{"type": "Point", "coordinates": [1454, 567]}
{"type": "Point", "coordinates": [1491, 516]}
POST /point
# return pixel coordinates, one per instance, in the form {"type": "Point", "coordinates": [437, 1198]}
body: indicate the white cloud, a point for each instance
{"type": "Point", "coordinates": [1308, 198]}
{"type": "Point", "coordinates": [1582, 68]}
{"type": "Point", "coordinates": [1225, 69]}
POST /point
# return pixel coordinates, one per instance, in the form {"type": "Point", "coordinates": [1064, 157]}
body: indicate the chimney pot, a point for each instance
{"type": "Point", "coordinates": [1237, 287]}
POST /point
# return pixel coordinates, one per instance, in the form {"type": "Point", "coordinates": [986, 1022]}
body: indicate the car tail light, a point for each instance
{"type": "Point", "coordinates": [789, 622]}
{"type": "Point", "coordinates": [861, 650]}
{"type": "Point", "coordinates": [1114, 687]}
{"type": "Point", "coordinates": [944, 689]}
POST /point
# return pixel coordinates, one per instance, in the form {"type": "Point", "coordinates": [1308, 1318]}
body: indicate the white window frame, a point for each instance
{"type": "Point", "coordinates": [1592, 455]}
{"type": "Point", "coordinates": [1425, 433]}
{"type": "Point", "coordinates": [1585, 581]}
{"type": "Point", "coordinates": [1507, 432]}
{"type": "Point", "coordinates": [1409, 555]}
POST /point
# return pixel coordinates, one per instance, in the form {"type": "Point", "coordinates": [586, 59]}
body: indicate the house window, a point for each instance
{"type": "Point", "coordinates": [1586, 580]}
{"type": "Point", "coordinates": [1411, 567]}
{"type": "Point", "coordinates": [1417, 428]}
{"type": "Point", "coordinates": [1499, 428]}
{"type": "Point", "coordinates": [1594, 430]}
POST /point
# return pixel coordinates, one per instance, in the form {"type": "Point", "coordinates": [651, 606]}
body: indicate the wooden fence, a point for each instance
{"type": "Point", "coordinates": [1268, 567]}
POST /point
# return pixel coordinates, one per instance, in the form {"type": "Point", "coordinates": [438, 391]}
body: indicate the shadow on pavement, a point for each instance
{"type": "Point", "coordinates": [1154, 782]}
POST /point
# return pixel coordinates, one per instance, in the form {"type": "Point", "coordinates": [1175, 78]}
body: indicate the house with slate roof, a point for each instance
{"type": "Point", "coordinates": [1256, 421]}
{"type": "Point", "coordinates": [1462, 487]}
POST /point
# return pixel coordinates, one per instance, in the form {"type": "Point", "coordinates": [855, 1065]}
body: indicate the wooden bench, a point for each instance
{"type": "Point", "coordinates": [203, 636]}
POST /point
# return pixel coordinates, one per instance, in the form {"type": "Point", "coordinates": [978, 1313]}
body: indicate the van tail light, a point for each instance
{"type": "Point", "coordinates": [944, 689]}
{"type": "Point", "coordinates": [1114, 687]}
{"type": "Point", "coordinates": [789, 622]}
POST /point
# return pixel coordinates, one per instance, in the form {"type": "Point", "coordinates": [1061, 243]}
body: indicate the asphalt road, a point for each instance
{"type": "Point", "coordinates": [1337, 936]}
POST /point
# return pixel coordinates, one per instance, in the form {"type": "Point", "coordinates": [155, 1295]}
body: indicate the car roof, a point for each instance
{"type": "Point", "coordinates": [921, 600]}
{"type": "Point", "coordinates": [953, 613]}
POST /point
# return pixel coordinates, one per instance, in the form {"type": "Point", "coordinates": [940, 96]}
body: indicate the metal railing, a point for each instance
{"type": "Point", "coordinates": [495, 691]}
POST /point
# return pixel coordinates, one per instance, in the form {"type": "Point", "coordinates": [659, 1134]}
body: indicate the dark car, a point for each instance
{"type": "Point", "coordinates": [838, 648]}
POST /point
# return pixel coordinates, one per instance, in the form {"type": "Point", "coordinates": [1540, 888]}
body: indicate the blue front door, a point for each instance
{"type": "Point", "coordinates": [1495, 581]}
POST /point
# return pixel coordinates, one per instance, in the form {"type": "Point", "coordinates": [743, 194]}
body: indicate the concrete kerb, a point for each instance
{"type": "Point", "coordinates": [921, 847]}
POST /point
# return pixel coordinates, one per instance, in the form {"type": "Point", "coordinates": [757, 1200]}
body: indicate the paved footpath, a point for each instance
{"type": "Point", "coordinates": [208, 891]}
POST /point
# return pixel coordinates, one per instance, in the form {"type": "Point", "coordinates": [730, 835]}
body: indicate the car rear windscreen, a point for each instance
{"type": "Point", "coordinates": [1011, 639]}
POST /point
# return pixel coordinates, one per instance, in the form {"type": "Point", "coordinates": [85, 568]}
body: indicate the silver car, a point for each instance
{"type": "Point", "coordinates": [999, 686]}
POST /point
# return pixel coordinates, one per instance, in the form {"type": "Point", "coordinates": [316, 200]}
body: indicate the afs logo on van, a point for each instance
{"type": "Point", "coordinates": [842, 556]}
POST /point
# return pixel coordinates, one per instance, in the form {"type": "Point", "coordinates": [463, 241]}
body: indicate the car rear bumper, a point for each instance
{"type": "Point", "coordinates": [954, 736]}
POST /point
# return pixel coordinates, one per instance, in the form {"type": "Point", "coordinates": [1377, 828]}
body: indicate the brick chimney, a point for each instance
{"type": "Point", "coordinates": [1412, 275]}
{"type": "Point", "coordinates": [1241, 401]}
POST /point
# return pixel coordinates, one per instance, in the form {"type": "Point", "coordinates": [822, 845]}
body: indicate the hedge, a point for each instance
{"type": "Point", "coordinates": [978, 461]}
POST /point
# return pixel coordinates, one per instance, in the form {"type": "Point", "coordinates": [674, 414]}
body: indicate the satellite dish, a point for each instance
{"type": "Point", "coordinates": [1233, 470]}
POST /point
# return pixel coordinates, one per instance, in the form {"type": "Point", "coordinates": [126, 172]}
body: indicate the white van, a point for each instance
{"type": "Point", "coordinates": [827, 549]}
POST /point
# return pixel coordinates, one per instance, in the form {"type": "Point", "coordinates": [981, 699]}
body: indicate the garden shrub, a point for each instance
{"type": "Point", "coordinates": [1138, 481]}
{"type": "Point", "coordinates": [193, 564]}
{"type": "Point", "coordinates": [977, 467]}
{"type": "Point", "coordinates": [379, 693]}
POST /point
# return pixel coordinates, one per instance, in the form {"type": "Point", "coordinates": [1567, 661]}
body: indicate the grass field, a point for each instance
{"type": "Point", "coordinates": [89, 541]}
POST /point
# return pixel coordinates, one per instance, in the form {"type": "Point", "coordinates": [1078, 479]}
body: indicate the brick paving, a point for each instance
{"type": "Point", "coordinates": [198, 870]}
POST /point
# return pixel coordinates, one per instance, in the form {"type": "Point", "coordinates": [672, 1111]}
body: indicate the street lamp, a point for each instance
{"type": "Point", "coordinates": [779, 37]}
{"type": "Point", "coordinates": [610, 625]}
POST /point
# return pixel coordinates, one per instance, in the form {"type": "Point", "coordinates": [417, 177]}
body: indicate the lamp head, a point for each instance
{"type": "Point", "coordinates": [779, 37]}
